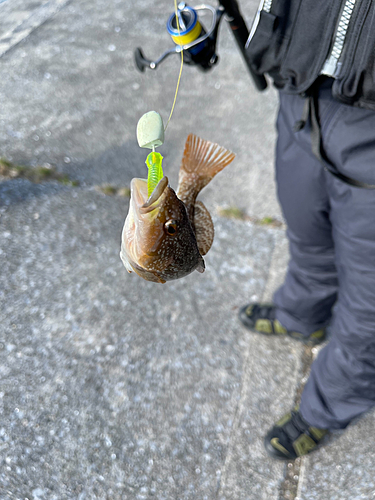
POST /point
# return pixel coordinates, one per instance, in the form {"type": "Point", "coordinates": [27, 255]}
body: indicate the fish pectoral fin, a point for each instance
{"type": "Point", "coordinates": [125, 261]}
{"type": "Point", "coordinates": [204, 228]}
{"type": "Point", "coordinates": [160, 280]}
{"type": "Point", "coordinates": [149, 275]}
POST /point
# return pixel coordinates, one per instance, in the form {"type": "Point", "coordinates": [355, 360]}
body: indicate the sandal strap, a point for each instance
{"type": "Point", "coordinates": [300, 435]}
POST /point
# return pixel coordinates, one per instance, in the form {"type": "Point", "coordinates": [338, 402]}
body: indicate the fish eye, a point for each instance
{"type": "Point", "coordinates": [171, 227]}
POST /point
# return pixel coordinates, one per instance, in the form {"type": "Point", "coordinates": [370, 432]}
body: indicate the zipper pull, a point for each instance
{"type": "Point", "coordinates": [330, 66]}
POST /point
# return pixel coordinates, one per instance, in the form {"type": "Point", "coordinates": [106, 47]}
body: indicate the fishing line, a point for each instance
{"type": "Point", "coordinates": [181, 66]}
{"type": "Point", "coordinates": [150, 130]}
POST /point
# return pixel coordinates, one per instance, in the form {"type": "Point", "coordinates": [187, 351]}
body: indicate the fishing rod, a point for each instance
{"type": "Point", "coordinates": [198, 43]}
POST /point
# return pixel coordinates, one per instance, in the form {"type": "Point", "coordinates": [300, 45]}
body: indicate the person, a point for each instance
{"type": "Point", "coordinates": [320, 56]}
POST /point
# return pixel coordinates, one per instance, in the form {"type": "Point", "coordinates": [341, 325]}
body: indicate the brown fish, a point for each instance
{"type": "Point", "coordinates": [165, 235]}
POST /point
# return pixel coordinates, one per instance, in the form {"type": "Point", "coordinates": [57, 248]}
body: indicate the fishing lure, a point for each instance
{"type": "Point", "coordinates": [150, 131]}
{"type": "Point", "coordinates": [155, 171]}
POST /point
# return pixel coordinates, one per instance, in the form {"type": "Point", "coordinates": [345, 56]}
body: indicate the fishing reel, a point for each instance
{"type": "Point", "coordinates": [198, 44]}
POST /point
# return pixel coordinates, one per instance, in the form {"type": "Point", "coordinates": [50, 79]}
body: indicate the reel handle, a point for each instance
{"type": "Point", "coordinates": [140, 60]}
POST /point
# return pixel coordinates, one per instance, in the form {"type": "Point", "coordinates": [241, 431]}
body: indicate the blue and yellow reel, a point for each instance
{"type": "Point", "coordinates": [191, 36]}
{"type": "Point", "coordinates": [189, 30]}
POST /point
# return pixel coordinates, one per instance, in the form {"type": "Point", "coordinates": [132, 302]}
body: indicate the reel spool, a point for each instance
{"type": "Point", "coordinates": [189, 27]}
{"type": "Point", "coordinates": [198, 44]}
{"type": "Point", "coordinates": [191, 31]}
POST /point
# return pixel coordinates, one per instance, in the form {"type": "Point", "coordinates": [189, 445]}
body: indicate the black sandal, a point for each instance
{"type": "Point", "coordinates": [261, 318]}
{"type": "Point", "coordinates": [292, 437]}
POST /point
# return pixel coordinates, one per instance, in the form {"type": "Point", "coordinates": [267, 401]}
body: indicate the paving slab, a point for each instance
{"type": "Point", "coordinates": [344, 468]}
{"type": "Point", "coordinates": [20, 17]}
{"type": "Point", "coordinates": [114, 387]}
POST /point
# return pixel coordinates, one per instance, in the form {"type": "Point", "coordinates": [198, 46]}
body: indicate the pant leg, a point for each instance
{"type": "Point", "coordinates": [305, 300]}
{"type": "Point", "coordinates": [341, 385]}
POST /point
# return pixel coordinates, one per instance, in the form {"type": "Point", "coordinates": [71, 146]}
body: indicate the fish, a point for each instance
{"type": "Point", "coordinates": [166, 234]}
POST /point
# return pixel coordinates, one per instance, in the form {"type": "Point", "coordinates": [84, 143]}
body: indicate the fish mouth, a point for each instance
{"type": "Point", "coordinates": [142, 203]}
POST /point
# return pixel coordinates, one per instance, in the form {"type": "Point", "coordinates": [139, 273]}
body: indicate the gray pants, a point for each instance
{"type": "Point", "coordinates": [331, 230]}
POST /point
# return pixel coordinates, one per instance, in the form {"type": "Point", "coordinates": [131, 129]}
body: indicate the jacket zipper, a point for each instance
{"type": "Point", "coordinates": [255, 23]}
{"type": "Point", "coordinates": [332, 66]}
{"type": "Point", "coordinates": [263, 5]}
{"type": "Point", "coordinates": [267, 5]}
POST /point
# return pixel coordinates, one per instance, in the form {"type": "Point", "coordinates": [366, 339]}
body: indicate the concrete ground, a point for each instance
{"type": "Point", "coordinates": [112, 387]}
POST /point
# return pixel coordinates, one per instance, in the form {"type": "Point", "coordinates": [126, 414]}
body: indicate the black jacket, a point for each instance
{"type": "Point", "coordinates": [296, 41]}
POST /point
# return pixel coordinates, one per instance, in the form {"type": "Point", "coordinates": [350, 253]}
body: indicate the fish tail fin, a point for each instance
{"type": "Point", "coordinates": [201, 161]}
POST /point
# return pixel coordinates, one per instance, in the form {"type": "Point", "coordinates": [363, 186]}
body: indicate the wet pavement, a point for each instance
{"type": "Point", "coordinates": [112, 387]}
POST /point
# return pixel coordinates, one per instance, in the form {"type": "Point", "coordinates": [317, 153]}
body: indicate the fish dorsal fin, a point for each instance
{"type": "Point", "coordinates": [201, 161]}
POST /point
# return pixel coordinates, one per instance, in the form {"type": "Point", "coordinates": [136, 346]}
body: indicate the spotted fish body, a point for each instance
{"type": "Point", "coordinates": [165, 235]}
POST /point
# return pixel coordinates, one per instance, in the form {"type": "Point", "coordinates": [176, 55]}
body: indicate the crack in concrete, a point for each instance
{"type": "Point", "coordinates": [290, 488]}
{"type": "Point", "coordinates": [37, 18]}
{"type": "Point", "coordinates": [223, 476]}
{"type": "Point", "coordinates": [221, 483]}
